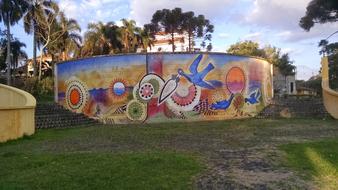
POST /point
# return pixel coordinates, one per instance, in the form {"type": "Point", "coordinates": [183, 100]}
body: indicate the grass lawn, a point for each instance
{"type": "Point", "coordinates": [232, 154]}
{"type": "Point", "coordinates": [315, 160]}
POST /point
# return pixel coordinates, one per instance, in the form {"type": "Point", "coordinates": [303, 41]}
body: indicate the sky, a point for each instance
{"type": "Point", "coordinates": [272, 22]}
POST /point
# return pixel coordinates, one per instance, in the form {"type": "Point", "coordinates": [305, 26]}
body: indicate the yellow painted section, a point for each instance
{"type": "Point", "coordinates": [17, 110]}
{"type": "Point", "coordinates": [330, 97]}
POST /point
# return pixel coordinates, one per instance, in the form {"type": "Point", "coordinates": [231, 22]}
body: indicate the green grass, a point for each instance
{"type": "Point", "coordinates": [147, 156]}
{"type": "Point", "coordinates": [97, 171]}
{"type": "Point", "coordinates": [315, 160]}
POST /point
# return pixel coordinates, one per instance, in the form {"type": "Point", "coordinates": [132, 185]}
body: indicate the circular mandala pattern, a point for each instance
{"type": "Point", "coordinates": [146, 91]}
{"type": "Point", "coordinates": [186, 97]}
{"type": "Point", "coordinates": [136, 111]}
{"type": "Point", "coordinates": [76, 95]}
{"type": "Point", "coordinates": [155, 80]}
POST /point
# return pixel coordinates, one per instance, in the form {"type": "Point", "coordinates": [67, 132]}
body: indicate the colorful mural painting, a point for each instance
{"type": "Point", "coordinates": [163, 87]}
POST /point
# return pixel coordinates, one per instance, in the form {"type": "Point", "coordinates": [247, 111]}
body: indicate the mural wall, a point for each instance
{"type": "Point", "coordinates": [164, 87]}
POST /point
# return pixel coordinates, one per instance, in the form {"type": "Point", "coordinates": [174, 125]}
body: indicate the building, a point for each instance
{"type": "Point", "coordinates": [162, 42]}
{"type": "Point", "coordinates": [283, 84]}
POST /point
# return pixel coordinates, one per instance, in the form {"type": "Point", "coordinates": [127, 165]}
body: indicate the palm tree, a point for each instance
{"type": "Point", "coordinates": [36, 9]}
{"type": "Point", "coordinates": [11, 11]}
{"type": "Point", "coordinates": [17, 52]}
{"type": "Point", "coordinates": [102, 39]}
{"type": "Point", "coordinates": [70, 41]}
{"type": "Point", "coordinates": [129, 39]}
{"type": "Point", "coordinates": [145, 39]}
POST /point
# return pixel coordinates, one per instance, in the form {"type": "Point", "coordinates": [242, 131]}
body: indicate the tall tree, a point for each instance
{"type": "Point", "coordinates": [70, 41]}
{"type": "Point", "coordinates": [11, 11]}
{"type": "Point", "coordinates": [197, 27]}
{"type": "Point", "coordinates": [37, 9]}
{"type": "Point", "coordinates": [101, 39]}
{"type": "Point", "coordinates": [247, 48]}
{"type": "Point", "coordinates": [169, 21]}
{"type": "Point", "coordinates": [128, 35]}
{"type": "Point", "coordinates": [319, 11]}
{"type": "Point", "coordinates": [271, 54]}
{"type": "Point", "coordinates": [144, 38]}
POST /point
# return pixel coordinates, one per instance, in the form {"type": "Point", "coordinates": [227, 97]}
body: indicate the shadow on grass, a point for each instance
{"type": "Point", "coordinates": [317, 161]}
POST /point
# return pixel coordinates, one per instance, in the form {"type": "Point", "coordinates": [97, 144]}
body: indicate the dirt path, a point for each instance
{"type": "Point", "coordinates": [257, 165]}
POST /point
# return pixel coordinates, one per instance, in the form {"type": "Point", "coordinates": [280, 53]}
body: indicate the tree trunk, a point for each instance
{"type": "Point", "coordinates": [34, 51]}
{"type": "Point", "coordinates": [40, 65]}
{"type": "Point", "coordinates": [172, 42]}
{"type": "Point", "coordinates": [189, 36]}
{"type": "Point", "coordinates": [8, 57]}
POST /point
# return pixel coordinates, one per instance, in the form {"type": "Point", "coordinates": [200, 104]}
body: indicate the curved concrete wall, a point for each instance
{"type": "Point", "coordinates": [330, 97]}
{"type": "Point", "coordinates": [164, 87]}
{"type": "Point", "coordinates": [17, 110]}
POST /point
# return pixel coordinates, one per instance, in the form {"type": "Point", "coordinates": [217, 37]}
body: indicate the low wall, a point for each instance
{"type": "Point", "coordinates": [330, 96]}
{"type": "Point", "coordinates": [163, 87]}
{"type": "Point", "coordinates": [17, 110]}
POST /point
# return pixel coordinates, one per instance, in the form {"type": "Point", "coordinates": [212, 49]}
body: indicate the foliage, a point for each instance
{"type": "Point", "coordinates": [16, 49]}
{"type": "Point", "coordinates": [271, 54]}
{"type": "Point", "coordinates": [246, 48]}
{"type": "Point", "coordinates": [319, 11]}
{"type": "Point", "coordinates": [197, 27]}
{"type": "Point", "coordinates": [39, 88]}
{"type": "Point", "coordinates": [11, 12]}
{"type": "Point", "coordinates": [37, 11]}
{"type": "Point", "coordinates": [69, 42]}
{"type": "Point", "coordinates": [101, 39]}
{"type": "Point", "coordinates": [317, 160]}
{"type": "Point", "coordinates": [175, 21]}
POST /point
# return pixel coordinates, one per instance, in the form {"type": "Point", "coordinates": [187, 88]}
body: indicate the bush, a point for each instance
{"type": "Point", "coordinates": [37, 88]}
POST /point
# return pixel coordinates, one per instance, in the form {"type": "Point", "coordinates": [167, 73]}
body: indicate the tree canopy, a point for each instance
{"type": "Point", "coordinates": [270, 53]}
{"type": "Point", "coordinates": [175, 21]}
{"type": "Point", "coordinates": [319, 11]}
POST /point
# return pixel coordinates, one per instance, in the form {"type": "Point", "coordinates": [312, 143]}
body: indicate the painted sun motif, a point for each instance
{"type": "Point", "coordinates": [118, 90]}
{"type": "Point", "coordinates": [235, 80]}
{"type": "Point", "coordinates": [76, 95]}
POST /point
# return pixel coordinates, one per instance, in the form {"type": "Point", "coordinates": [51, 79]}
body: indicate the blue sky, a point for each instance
{"type": "Point", "coordinates": [272, 22]}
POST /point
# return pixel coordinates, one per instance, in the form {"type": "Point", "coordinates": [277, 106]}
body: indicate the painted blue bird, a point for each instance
{"type": "Point", "coordinates": [254, 97]}
{"type": "Point", "coordinates": [222, 105]}
{"type": "Point", "coordinates": [197, 78]}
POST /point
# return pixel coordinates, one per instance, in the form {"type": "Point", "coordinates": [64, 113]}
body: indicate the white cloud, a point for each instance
{"type": "Point", "coordinates": [142, 10]}
{"type": "Point", "coordinates": [283, 18]}
{"type": "Point", "coordinates": [252, 36]}
{"type": "Point", "coordinates": [86, 11]}
{"type": "Point", "coordinates": [224, 35]}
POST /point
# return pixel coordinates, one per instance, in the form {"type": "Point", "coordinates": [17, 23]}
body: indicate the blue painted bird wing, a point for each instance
{"type": "Point", "coordinates": [204, 84]}
{"type": "Point", "coordinates": [206, 70]}
{"type": "Point", "coordinates": [193, 67]}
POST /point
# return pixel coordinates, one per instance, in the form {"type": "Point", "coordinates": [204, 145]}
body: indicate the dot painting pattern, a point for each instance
{"type": "Point", "coordinates": [146, 91]}
{"type": "Point", "coordinates": [76, 95]}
